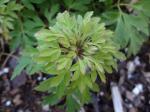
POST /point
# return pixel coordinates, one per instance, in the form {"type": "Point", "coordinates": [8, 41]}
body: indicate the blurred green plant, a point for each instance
{"type": "Point", "coordinates": [76, 49]}
{"type": "Point", "coordinates": [128, 19]}
{"type": "Point", "coordinates": [132, 23]}
{"type": "Point", "coordinates": [8, 16]}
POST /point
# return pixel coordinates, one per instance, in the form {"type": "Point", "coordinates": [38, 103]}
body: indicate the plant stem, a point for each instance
{"type": "Point", "coordinates": [8, 56]}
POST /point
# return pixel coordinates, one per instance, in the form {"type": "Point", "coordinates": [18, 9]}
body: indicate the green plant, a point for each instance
{"type": "Point", "coordinates": [75, 49]}
{"type": "Point", "coordinates": [128, 19]}
{"type": "Point", "coordinates": [132, 23]}
{"type": "Point", "coordinates": [8, 16]}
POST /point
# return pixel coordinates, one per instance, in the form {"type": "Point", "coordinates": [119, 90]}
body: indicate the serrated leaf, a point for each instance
{"type": "Point", "coordinates": [76, 75]}
{"type": "Point", "coordinates": [127, 32]}
{"type": "Point", "coordinates": [142, 6]}
{"type": "Point", "coordinates": [42, 34]}
{"type": "Point", "coordinates": [3, 2]}
{"type": "Point", "coordinates": [81, 84]}
{"type": "Point", "coordinates": [110, 17]}
{"type": "Point", "coordinates": [83, 66]}
{"type": "Point", "coordinates": [139, 22]}
{"type": "Point", "coordinates": [64, 63]}
{"type": "Point", "coordinates": [49, 83]}
{"type": "Point", "coordinates": [77, 5]}
{"type": "Point", "coordinates": [88, 81]}
{"type": "Point", "coordinates": [37, 1]}
{"type": "Point", "coordinates": [99, 67]}
{"type": "Point", "coordinates": [71, 103]}
{"type": "Point", "coordinates": [23, 62]}
{"type": "Point", "coordinates": [93, 76]}
{"type": "Point", "coordinates": [102, 77]}
{"type": "Point", "coordinates": [51, 100]}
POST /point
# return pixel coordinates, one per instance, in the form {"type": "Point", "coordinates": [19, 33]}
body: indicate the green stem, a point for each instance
{"type": "Point", "coordinates": [124, 4]}
{"type": "Point", "coordinates": [118, 5]}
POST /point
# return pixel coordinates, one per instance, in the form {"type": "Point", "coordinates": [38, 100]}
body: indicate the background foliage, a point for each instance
{"type": "Point", "coordinates": [128, 18]}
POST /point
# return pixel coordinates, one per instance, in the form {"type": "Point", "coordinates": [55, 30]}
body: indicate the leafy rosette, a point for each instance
{"type": "Point", "coordinates": [76, 50]}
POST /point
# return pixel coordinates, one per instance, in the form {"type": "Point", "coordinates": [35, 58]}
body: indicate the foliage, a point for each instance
{"type": "Point", "coordinates": [132, 24]}
{"type": "Point", "coordinates": [76, 49]}
{"type": "Point", "coordinates": [129, 20]}
{"type": "Point", "coordinates": [8, 16]}
{"type": "Point", "coordinates": [73, 48]}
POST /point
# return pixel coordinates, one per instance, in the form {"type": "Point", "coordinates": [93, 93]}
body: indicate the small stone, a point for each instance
{"type": "Point", "coordinates": [101, 93]}
{"type": "Point", "coordinates": [8, 103]}
{"type": "Point", "coordinates": [126, 50]}
{"type": "Point", "coordinates": [39, 78]}
{"type": "Point", "coordinates": [130, 105]}
{"type": "Point", "coordinates": [44, 78]}
{"type": "Point", "coordinates": [130, 67]}
{"type": "Point", "coordinates": [149, 101]}
{"type": "Point", "coordinates": [45, 107]}
{"type": "Point", "coordinates": [17, 100]}
{"type": "Point", "coordinates": [5, 70]}
{"type": "Point", "coordinates": [146, 74]}
{"type": "Point", "coordinates": [1, 72]}
{"type": "Point", "coordinates": [130, 76]}
{"type": "Point", "coordinates": [142, 98]}
{"type": "Point", "coordinates": [137, 61]}
{"type": "Point", "coordinates": [138, 89]}
{"type": "Point", "coordinates": [20, 110]}
{"type": "Point", "coordinates": [130, 95]}
{"type": "Point", "coordinates": [133, 110]}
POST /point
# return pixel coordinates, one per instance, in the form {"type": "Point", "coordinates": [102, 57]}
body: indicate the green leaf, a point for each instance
{"type": "Point", "coordinates": [88, 81]}
{"type": "Point", "coordinates": [43, 34]}
{"type": "Point", "coordinates": [93, 76]}
{"type": "Point", "coordinates": [37, 1]}
{"type": "Point", "coordinates": [99, 67]}
{"type": "Point", "coordinates": [139, 22]}
{"type": "Point", "coordinates": [71, 103]}
{"type": "Point", "coordinates": [142, 6]}
{"type": "Point", "coordinates": [3, 2]}
{"type": "Point", "coordinates": [49, 83]}
{"type": "Point", "coordinates": [81, 84]}
{"type": "Point", "coordinates": [61, 89]}
{"type": "Point", "coordinates": [128, 32]}
{"type": "Point", "coordinates": [95, 87]}
{"type": "Point", "coordinates": [23, 62]}
{"type": "Point", "coordinates": [64, 63]}
{"type": "Point", "coordinates": [102, 77]}
{"type": "Point", "coordinates": [50, 68]}
{"type": "Point", "coordinates": [110, 17]}
{"type": "Point", "coordinates": [49, 53]}
{"type": "Point", "coordinates": [28, 4]}
{"type": "Point", "coordinates": [121, 32]}
{"type": "Point", "coordinates": [76, 75]}
{"type": "Point", "coordinates": [50, 14]}
{"type": "Point", "coordinates": [52, 99]}
{"type": "Point", "coordinates": [83, 66]}
{"type": "Point", "coordinates": [79, 5]}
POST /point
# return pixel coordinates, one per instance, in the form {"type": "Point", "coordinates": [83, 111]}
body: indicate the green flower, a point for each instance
{"type": "Point", "coordinates": [76, 49]}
